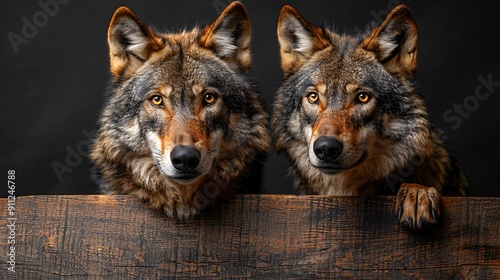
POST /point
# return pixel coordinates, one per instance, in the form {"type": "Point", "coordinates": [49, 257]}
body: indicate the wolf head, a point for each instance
{"type": "Point", "coordinates": [347, 104]}
{"type": "Point", "coordinates": [183, 99]}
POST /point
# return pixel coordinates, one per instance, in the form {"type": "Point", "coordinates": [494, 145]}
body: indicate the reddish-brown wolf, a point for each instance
{"type": "Point", "coordinates": [350, 118]}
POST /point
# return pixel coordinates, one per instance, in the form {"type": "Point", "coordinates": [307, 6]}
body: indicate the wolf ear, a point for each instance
{"type": "Point", "coordinates": [229, 37]}
{"type": "Point", "coordinates": [131, 43]}
{"type": "Point", "coordinates": [298, 39]}
{"type": "Point", "coordinates": [394, 42]}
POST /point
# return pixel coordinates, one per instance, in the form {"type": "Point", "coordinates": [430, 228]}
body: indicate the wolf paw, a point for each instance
{"type": "Point", "coordinates": [417, 205]}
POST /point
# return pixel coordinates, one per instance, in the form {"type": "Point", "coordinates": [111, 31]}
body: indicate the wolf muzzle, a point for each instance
{"type": "Point", "coordinates": [185, 157]}
{"type": "Point", "coordinates": [331, 156]}
{"type": "Point", "coordinates": [327, 148]}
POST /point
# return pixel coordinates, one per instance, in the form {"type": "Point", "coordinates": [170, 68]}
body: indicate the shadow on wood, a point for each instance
{"type": "Point", "coordinates": [253, 236]}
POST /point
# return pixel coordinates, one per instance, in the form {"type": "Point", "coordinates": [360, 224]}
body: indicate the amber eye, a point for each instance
{"type": "Point", "coordinates": [156, 100]}
{"type": "Point", "coordinates": [209, 99]}
{"type": "Point", "coordinates": [313, 97]}
{"type": "Point", "coordinates": [363, 97]}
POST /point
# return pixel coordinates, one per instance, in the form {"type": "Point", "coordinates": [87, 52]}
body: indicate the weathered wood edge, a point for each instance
{"type": "Point", "coordinates": [254, 236]}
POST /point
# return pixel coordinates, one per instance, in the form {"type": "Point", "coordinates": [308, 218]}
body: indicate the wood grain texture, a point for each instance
{"type": "Point", "coordinates": [253, 236]}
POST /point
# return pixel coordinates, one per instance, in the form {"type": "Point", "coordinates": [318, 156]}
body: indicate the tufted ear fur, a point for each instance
{"type": "Point", "coordinates": [394, 42]}
{"type": "Point", "coordinates": [131, 43]}
{"type": "Point", "coordinates": [298, 39]}
{"type": "Point", "coordinates": [229, 37]}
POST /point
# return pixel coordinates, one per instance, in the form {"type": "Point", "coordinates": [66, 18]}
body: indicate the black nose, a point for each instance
{"type": "Point", "coordinates": [327, 148]}
{"type": "Point", "coordinates": [185, 158]}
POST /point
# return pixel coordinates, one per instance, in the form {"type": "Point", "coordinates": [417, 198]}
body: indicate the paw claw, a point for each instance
{"type": "Point", "coordinates": [433, 213]}
{"type": "Point", "coordinates": [417, 206]}
{"type": "Point", "coordinates": [410, 222]}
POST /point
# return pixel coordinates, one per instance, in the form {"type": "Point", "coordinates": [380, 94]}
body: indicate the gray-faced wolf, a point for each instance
{"type": "Point", "coordinates": [350, 118]}
{"type": "Point", "coordinates": [183, 122]}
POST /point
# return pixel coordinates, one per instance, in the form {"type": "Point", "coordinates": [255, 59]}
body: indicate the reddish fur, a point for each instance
{"type": "Point", "coordinates": [379, 138]}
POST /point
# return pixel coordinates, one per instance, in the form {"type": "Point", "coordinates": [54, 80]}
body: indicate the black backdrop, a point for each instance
{"type": "Point", "coordinates": [54, 71]}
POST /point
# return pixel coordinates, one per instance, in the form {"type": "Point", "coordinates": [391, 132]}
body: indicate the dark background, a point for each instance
{"type": "Point", "coordinates": [53, 88]}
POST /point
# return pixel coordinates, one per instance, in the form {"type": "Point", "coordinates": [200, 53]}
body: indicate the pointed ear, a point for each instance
{"type": "Point", "coordinates": [229, 37]}
{"type": "Point", "coordinates": [298, 39]}
{"type": "Point", "coordinates": [394, 42]}
{"type": "Point", "coordinates": [131, 43]}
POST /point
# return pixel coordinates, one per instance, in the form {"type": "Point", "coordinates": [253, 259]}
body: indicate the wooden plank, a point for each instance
{"type": "Point", "coordinates": [254, 236]}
